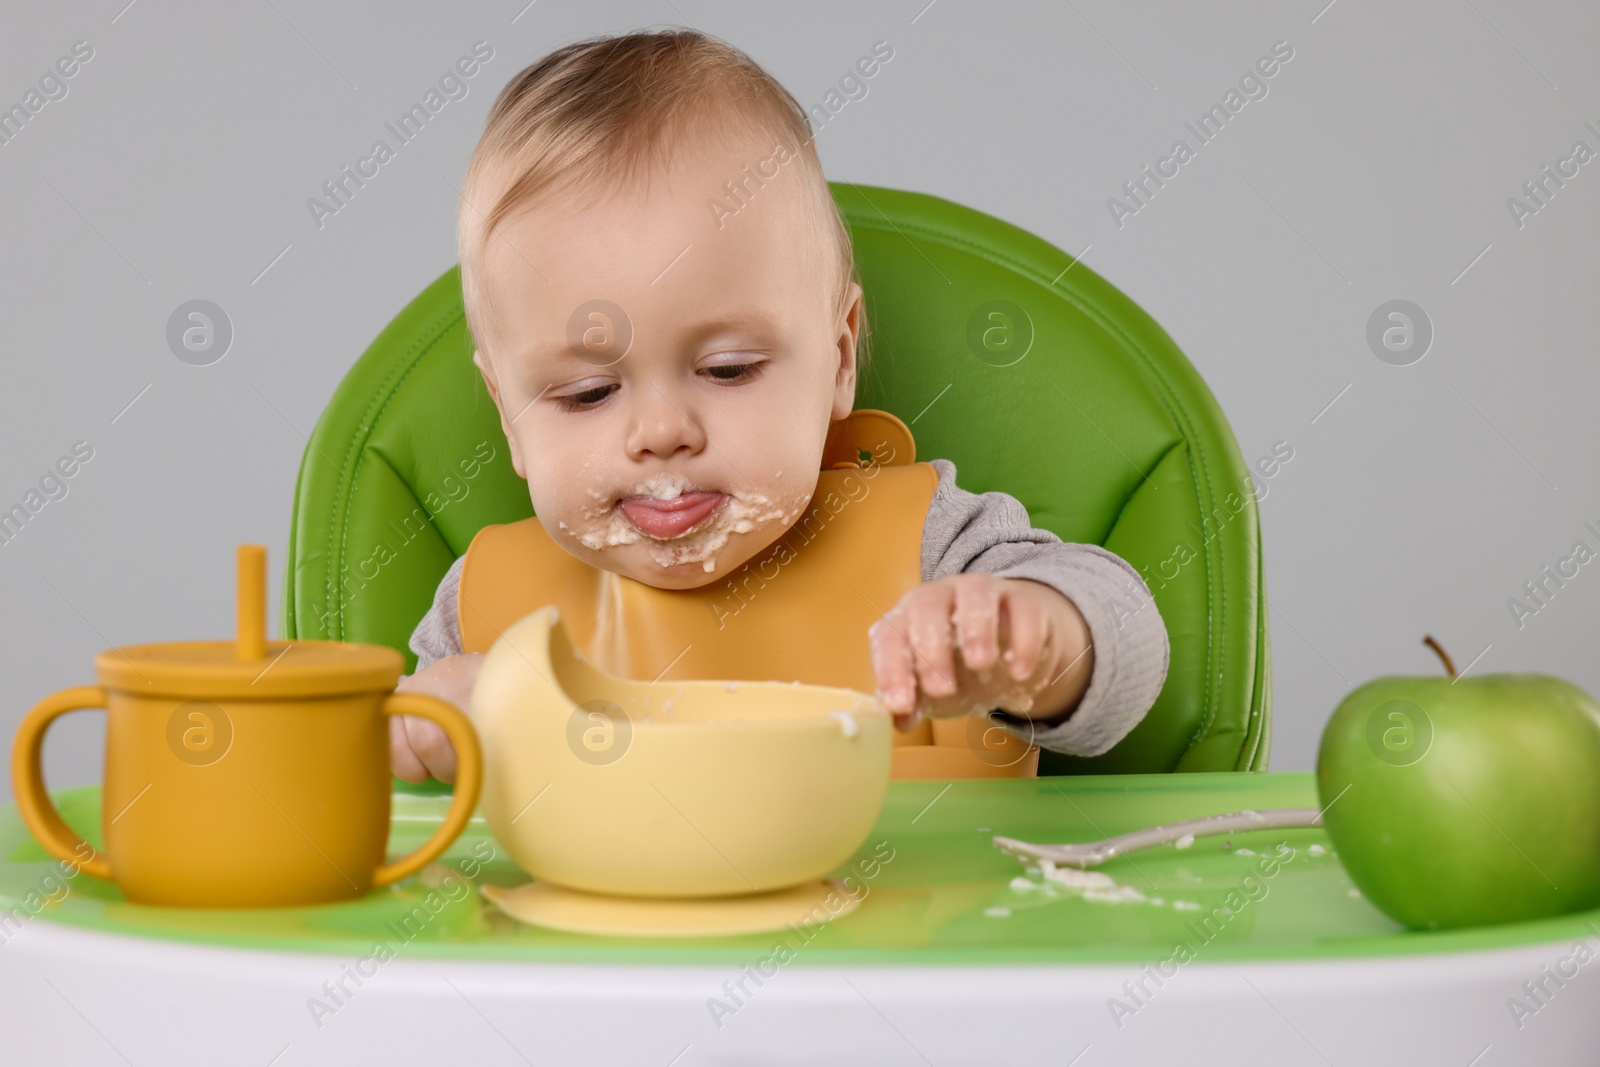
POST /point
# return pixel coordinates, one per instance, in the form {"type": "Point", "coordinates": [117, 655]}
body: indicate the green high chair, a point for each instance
{"type": "Point", "coordinates": [1035, 377]}
{"type": "Point", "coordinates": [1030, 372]}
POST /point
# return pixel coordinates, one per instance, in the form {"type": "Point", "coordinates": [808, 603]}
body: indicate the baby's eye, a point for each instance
{"type": "Point", "coordinates": [733, 372]}
{"type": "Point", "coordinates": [586, 399]}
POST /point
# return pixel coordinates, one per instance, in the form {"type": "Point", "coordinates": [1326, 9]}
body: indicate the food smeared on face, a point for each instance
{"type": "Point", "coordinates": [680, 523]}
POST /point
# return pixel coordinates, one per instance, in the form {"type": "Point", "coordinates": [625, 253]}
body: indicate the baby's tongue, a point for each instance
{"type": "Point", "coordinates": [664, 519]}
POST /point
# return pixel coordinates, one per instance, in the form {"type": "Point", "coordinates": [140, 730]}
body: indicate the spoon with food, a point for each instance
{"type": "Point", "coordinates": [1093, 853]}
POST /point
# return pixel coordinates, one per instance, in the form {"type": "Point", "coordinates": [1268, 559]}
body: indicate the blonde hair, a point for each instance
{"type": "Point", "coordinates": [604, 111]}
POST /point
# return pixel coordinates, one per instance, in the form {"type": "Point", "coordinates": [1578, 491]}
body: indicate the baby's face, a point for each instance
{"type": "Point", "coordinates": [666, 385]}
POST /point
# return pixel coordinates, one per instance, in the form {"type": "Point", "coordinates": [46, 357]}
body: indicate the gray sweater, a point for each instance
{"type": "Point", "coordinates": [989, 533]}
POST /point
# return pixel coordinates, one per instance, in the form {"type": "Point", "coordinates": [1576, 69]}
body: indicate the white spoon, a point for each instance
{"type": "Point", "coordinates": [1094, 853]}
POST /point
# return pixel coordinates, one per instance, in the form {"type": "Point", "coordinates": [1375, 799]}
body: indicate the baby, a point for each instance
{"type": "Point", "coordinates": [667, 368]}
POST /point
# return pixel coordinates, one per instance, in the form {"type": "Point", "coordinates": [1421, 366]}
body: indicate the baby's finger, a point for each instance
{"type": "Point", "coordinates": [432, 746]}
{"type": "Point", "coordinates": [932, 640]}
{"type": "Point", "coordinates": [977, 615]}
{"type": "Point", "coordinates": [407, 767]}
{"type": "Point", "coordinates": [1027, 627]}
{"type": "Point", "coordinates": [891, 662]}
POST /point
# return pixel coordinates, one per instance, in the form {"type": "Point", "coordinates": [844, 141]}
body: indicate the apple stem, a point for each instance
{"type": "Point", "coordinates": [1449, 667]}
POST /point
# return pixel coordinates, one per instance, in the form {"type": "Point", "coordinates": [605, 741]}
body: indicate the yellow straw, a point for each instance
{"type": "Point", "coordinates": [252, 602]}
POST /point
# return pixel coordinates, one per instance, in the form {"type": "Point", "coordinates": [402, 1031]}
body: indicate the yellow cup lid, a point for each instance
{"type": "Point", "coordinates": [213, 669]}
{"type": "Point", "coordinates": [250, 667]}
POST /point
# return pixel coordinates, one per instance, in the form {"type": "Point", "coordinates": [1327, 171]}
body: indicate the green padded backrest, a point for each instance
{"type": "Point", "coordinates": [1035, 379]}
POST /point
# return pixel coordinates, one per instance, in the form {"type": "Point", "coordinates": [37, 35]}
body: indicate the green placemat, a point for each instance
{"type": "Point", "coordinates": [935, 890]}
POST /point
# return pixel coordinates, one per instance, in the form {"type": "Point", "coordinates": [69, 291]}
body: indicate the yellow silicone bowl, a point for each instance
{"type": "Point", "coordinates": [670, 789]}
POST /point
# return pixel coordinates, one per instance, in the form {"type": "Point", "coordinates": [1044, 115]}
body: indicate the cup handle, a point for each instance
{"type": "Point", "coordinates": [469, 779]}
{"type": "Point", "coordinates": [38, 812]}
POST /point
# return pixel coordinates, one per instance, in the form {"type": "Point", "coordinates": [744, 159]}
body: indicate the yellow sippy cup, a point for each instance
{"type": "Point", "coordinates": [248, 773]}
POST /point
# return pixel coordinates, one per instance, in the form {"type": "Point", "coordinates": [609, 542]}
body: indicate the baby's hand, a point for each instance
{"type": "Point", "coordinates": [1041, 674]}
{"type": "Point", "coordinates": [417, 747]}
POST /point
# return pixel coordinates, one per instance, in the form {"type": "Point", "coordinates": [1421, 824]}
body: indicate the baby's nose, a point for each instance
{"type": "Point", "coordinates": [664, 426]}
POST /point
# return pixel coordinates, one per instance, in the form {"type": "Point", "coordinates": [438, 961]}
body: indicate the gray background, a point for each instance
{"type": "Point", "coordinates": [1378, 167]}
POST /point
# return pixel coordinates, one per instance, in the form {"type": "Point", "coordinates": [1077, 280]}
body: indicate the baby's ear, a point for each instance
{"type": "Point", "coordinates": [488, 374]}
{"type": "Point", "coordinates": [849, 335]}
{"type": "Point", "coordinates": [486, 368]}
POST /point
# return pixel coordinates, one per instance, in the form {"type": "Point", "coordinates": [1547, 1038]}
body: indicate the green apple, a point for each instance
{"type": "Point", "coordinates": [1466, 801]}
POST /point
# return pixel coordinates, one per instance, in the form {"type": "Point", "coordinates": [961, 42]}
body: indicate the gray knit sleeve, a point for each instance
{"type": "Point", "coordinates": [990, 533]}
{"type": "Point", "coordinates": [439, 633]}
